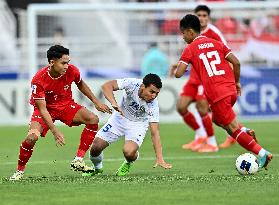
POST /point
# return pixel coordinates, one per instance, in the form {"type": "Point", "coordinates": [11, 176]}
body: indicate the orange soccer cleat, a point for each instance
{"type": "Point", "coordinates": [198, 144]}
{"type": "Point", "coordinates": [228, 142]}
{"type": "Point", "coordinates": [208, 148]}
{"type": "Point", "coordinates": [189, 145]}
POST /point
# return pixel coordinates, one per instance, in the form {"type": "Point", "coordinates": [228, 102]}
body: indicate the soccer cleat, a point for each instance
{"type": "Point", "coordinates": [189, 145]}
{"type": "Point", "coordinates": [208, 148]}
{"type": "Point", "coordinates": [18, 175]}
{"type": "Point", "coordinates": [198, 144]}
{"type": "Point", "coordinates": [79, 166]}
{"type": "Point", "coordinates": [124, 169]}
{"type": "Point", "coordinates": [263, 161]}
{"type": "Point", "coordinates": [228, 142]}
{"type": "Point", "coordinates": [92, 173]}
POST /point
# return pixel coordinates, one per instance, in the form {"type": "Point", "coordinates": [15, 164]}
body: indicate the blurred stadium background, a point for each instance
{"type": "Point", "coordinates": [108, 40]}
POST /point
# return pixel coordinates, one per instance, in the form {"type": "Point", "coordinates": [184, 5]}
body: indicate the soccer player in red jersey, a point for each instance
{"type": "Point", "coordinates": [52, 100]}
{"type": "Point", "coordinates": [210, 59]}
{"type": "Point", "coordinates": [193, 91]}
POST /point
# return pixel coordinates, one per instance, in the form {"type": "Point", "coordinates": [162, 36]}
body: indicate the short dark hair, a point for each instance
{"type": "Point", "coordinates": [153, 79]}
{"type": "Point", "coordinates": [190, 21]}
{"type": "Point", "coordinates": [56, 52]}
{"type": "Point", "coordinates": [202, 8]}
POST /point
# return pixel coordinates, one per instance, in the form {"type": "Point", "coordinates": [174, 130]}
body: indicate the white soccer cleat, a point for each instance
{"type": "Point", "coordinates": [79, 166]}
{"type": "Point", "coordinates": [18, 175]}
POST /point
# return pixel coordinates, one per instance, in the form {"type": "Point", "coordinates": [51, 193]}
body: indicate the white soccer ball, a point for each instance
{"type": "Point", "coordinates": [247, 164]}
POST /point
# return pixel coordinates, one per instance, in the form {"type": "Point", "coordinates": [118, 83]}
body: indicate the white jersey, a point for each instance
{"type": "Point", "coordinates": [134, 108]}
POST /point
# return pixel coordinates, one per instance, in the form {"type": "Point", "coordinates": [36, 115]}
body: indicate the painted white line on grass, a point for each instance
{"type": "Point", "coordinates": [143, 159]}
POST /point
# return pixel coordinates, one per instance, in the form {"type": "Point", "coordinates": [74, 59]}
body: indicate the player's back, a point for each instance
{"type": "Point", "coordinates": [208, 60]}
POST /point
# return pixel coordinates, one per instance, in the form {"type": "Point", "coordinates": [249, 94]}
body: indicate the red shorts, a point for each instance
{"type": "Point", "coordinates": [193, 90]}
{"type": "Point", "coordinates": [222, 110]}
{"type": "Point", "coordinates": [66, 116]}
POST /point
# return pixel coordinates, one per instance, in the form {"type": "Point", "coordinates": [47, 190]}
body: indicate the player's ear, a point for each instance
{"type": "Point", "coordinates": [51, 62]}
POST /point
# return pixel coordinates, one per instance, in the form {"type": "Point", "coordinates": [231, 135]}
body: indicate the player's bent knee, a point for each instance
{"type": "Point", "coordinates": [130, 154]}
{"type": "Point", "coordinates": [33, 135]}
{"type": "Point", "coordinates": [181, 109]}
{"type": "Point", "coordinates": [92, 119]}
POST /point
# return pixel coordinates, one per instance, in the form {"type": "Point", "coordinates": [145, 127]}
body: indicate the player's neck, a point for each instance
{"type": "Point", "coordinates": [203, 28]}
{"type": "Point", "coordinates": [53, 73]}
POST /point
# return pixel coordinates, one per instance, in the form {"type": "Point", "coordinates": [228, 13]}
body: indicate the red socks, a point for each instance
{"type": "Point", "coordinates": [190, 120]}
{"type": "Point", "coordinates": [246, 141]}
{"type": "Point", "coordinates": [207, 123]}
{"type": "Point", "coordinates": [25, 153]}
{"type": "Point", "coordinates": [86, 139]}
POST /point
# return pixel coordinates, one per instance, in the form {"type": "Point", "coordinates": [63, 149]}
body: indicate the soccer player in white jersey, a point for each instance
{"type": "Point", "coordinates": [138, 110]}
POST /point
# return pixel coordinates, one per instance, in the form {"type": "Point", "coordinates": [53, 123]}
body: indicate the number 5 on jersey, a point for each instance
{"type": "Point", "coordinates": [210, 66]}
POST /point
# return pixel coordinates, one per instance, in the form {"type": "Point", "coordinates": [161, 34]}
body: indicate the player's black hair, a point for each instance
{"type": "Point", "coordinates": [56, 52]}
{"type": "Point", "coordinates": [190, 21]}
{"type": "Point", "coordinates": [202, 8]}
{"type": "Point", "coordinates": [153, 79]}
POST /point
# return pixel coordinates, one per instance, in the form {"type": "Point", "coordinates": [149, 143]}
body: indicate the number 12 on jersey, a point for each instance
{"type": "Point", "coordinates": [210, 66]}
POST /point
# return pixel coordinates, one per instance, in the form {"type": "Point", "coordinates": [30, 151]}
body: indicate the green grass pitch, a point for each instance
{"type": "Point", "coordinates": [194, 179]}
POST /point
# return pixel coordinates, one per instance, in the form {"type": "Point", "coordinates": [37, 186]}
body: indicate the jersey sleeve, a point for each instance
{"type": "Point", "coordinates": [38, 92]}
{"type": "Point", "coordinates": [128, 84]}
{"type": "Point", "coordinates": [226, 50]}
{"type": "Point", "coordinates": [77, 76]}
{"type": "Point", "coordinates": [153, 115]}
{"type": "Point", "coordinates": [185, 56]}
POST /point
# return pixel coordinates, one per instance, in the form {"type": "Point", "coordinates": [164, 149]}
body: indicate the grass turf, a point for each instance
{"type": "Point", "coordinates": [194, 179]}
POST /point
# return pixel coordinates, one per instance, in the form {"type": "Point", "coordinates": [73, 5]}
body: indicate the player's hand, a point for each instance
{"type": "Point", "coordinates": [59, 138]}
{"type": "Point", "coordinates": [238, 89]}
{"type": "Point", "coordinates": [103, 108]}
{"type": "Point", "coordinates": [173, 70]}
{"type": "Point", "coordinates": [117, 108]}
{"type": "Point", "coordinates": [163, 164]}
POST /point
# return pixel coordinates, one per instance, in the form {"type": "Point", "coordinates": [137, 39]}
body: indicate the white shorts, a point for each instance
{"type": "Point", "coordinates": [119, 126]}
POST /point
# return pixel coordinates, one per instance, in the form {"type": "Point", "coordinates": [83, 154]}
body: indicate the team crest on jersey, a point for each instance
{"type": "Point", "coordinates": [66, 87]}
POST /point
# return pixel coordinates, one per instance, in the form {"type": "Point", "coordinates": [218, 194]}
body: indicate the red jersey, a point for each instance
{"type": "Point", "coordinates": [56, 92]}
{"type": "Point", "coordinates": [210, 32]}
{"type": "Point", "coordinates": [208, 59]}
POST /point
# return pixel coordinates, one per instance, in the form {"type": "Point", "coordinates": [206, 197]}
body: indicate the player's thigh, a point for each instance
{"type": "Point", "coordinates": [202, 106]}
{"type": "Point", "coordinates": [222, 110]}
{"type": "Point", "coordinates": [111, 131]}
{"type": "Point", "coordinates": [84, 116]}
{"type": "Point", "coordinates": [135, 132]}
{"type": "Point", "coordinates": [37, 124]}
{"type": "Point", "coordinates": [183, 103]}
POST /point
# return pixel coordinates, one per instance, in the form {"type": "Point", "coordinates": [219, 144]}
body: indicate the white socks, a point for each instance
{"type": "Point", "coordinates": [97, 161]}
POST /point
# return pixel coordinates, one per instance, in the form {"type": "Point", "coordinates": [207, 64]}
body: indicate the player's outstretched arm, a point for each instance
{"type": "Point", "coordinates": [155, 135]}
{"type": "Point", "coordinates": [58, 136]}
{"type": "Point", "coordinates": [181, 69]}
{"type": "Point", "coordinates": [84, 88]}
{"type": "Point", "coordinates": [172, 70]}
{"type": "Point", "coordinates": [108, 89]}
{"type": "Point", "coordinates": [236, 69]}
